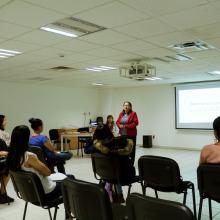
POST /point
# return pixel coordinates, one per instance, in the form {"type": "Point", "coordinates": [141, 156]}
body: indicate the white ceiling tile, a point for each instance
{"type": "Point", "coordinates": [102, 62]}
{"type": "Point", "coordinates": [76, 45]}
{"type": "Point", "coordinates": [133, 46]}
{"type": "Point", "coordinates": [198, 16]}
{"type": "Point", "coordinates": [26, 14]}
{"type": "Point", "coordinates": [158, 52]}
{"type": "Point", "coordinates": [145, 28]}
{"type": "Point", "coordinates": [18, 46]}
{"type": "Point", "coordinates": [206, 31]}
{"type": "Point", "coordinates": [159, 7]}
{"type": "Point", "coordinates": [111, 15]}
{"type": "Point", "coordinates": [124, 58]}
{"type": "Point", "coordinates": [166, 40]}
{"type": "Point", "coordinates": [68, 6]}
{"type": "Point", "coordinates": [204, 54]}
{"type": "Point", "coordinates": [4, 2]}
{"type": "Point", "coordinates": [106, 37]}
{"type": "Point", "coordinates": [11, 30]}
{"type": "Point", "coordinates": [51, 52]}
{"type": "Point", "coordinates": [43, 38]}
{"type": "Point", "coordinates": [80, 57]}
{"type": "Point", "coordinates": [214, 42]}
{"type": "Point", "coordinates": [103, 52]}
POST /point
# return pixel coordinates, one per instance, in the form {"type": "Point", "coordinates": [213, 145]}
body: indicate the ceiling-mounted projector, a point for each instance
{"type": "Point", "coordinates": [138, 71]}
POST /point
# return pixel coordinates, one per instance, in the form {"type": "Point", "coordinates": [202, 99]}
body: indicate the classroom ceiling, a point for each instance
{"type": "Point", "coordinates": [135, 30]}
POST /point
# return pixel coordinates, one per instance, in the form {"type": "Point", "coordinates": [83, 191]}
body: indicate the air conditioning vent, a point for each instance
{"type": "Point", "coordinates": [191, 46]}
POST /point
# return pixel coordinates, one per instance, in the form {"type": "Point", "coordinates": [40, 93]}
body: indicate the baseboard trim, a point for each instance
{"type": "Point", "coordinates": [175, 148]}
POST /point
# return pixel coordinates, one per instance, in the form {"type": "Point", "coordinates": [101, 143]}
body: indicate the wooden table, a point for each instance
{"type": "Point", "coordinates": [65, 135]}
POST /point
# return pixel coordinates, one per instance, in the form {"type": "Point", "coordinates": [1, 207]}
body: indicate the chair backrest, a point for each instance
{"type": "Point", "coordinates": [53, 134]}
{"type": "Point", "coordinates": [208, 176]}
{"type": "Point", "coordinates": [106, 167]}
{"type": "Point", "coordinates": [143, 207]}
{"type": "Point", "coordinates": [87, 201]}
{"type": "Point", "coordinates": [28, 187]}
{"type": "Point", "coordinates": [3, 145]}
{"type": "Point", "coordinates": [38, 151]}
{"type": "Point", "coordinates": [159, 173]}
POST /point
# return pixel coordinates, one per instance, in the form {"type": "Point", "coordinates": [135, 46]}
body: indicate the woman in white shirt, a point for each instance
{"type": "Point", "coordinates": [5, 136]}
{"type": "Point", "coordinates": [19, 158]}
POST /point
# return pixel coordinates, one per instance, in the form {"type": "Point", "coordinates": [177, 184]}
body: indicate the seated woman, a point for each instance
{"type": "Point", "coordinates": [19, 158]}
{"type": "Point", "coordinates": [4, 142]}
{"type": "Point", "coordinates": [36, 139]}
{"type": "Point", "coordinates": [106, 143]}
{"type": "Point", "coordinates": [211, 153]}
{"type": "Point", "coordinates": [5, 136]}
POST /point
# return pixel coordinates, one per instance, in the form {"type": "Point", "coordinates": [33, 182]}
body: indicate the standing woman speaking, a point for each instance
{"type": "Point", "coordinates": [127, 123]}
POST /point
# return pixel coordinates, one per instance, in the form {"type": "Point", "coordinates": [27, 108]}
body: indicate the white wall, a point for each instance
{"type": "Point", "coordinates": [56, 106]}
{"type": "Point", "coordinates": [59, 107]}
{"type": "Point", "coordinates": [155, 106]}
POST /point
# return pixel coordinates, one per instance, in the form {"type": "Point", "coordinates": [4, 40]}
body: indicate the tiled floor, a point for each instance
{"type": "Point", "coordinates": [81, 168]}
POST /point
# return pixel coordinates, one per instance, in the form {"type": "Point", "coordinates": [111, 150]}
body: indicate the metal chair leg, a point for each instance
{"type": "Point", "coordinates": [129, 190]}
{"type": "Point", "coordinates": [210, 208]}
{"type": "Point", "coordinates": [25, 210]}
{"type": "Point", "coordinates": [200, 208]}
{"type": "Point", "coordinates": [82, 149]}
{"type": "Point", "coordinates": [50, 214]}
{"type": "Point", "coordinates": [194, 202]}
{"type": "Point", "coordinates": [55, 213]}
{"type": "Point", "coordinates": [156, 194]}
{"type": "Point", "coordinates": [143, 189]}
{"type": "Point", "coordinates": [184, 197]}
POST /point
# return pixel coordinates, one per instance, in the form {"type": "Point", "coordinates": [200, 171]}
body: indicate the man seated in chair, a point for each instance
{"type": "Point", "coordinates": [211, 153]}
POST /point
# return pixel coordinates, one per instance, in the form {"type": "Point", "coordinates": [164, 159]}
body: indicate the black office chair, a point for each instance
{"type": "Point", "coordinates": [82, 140]}
{"type": "Point", "coordinates": [208, 176]}
{"type": "Point", "coordinates": [55, 138]}
{"type": "Point", "coordinates": [142, 207]}
{"type": "Point", "coordinates": [114, 170]}
{"type": "Point", "coordinates": [38, 151]}
{"type": "Point", "coordinates": [163, 174]}
{"type": "Point", "coordinates": [89, 201]}
{"type": "Point", "coordinates": [28, 187]}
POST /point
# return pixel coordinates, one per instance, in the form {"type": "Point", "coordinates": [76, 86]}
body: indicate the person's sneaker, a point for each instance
{"type": "Point", "coordinates": [5, 199]}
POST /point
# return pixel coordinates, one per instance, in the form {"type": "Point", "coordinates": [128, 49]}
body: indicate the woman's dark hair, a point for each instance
{"type": "Point", "coordinates": [18, 146]}
{"type": "Point", "coordinates": [112, 123]}
{"type": "Point", "coordinates": [2, 117]}
{"type": "Point", "coordinates": [35, 123]}
{"type": "Point", "coordinates": [129, 103]}
{"type": "Point", "coordinates": [216, 127]}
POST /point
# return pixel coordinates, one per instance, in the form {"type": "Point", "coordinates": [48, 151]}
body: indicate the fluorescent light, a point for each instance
{"type": "Point", "coordinates": [57, 31]}
{"type": "Point", "coordinates": [3, 56]}
{"type": "Point", "coordinates": [91, 69]}
{"type": "Point", "coordinates": [7, 54]}
{"type": "Point", "coordinates": [97, 84]}
{"type": "Point", "coordinates": [107, 67]}
{"type": "Point", "coordinates": [100, 68]}
{"type": "Point", "coordinates": [10, 51]}
{"type": "Point", "coordinates": [152, 78]}
{"type": "Point", "coordinates": [215, 72]}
